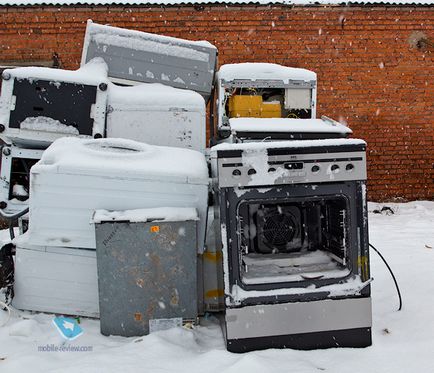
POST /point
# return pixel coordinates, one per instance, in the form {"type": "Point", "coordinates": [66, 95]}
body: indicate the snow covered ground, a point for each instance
{"type": "Point", "coordinates": [402, 341]}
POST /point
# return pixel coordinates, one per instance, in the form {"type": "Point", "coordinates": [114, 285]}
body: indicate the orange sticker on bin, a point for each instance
{"type": "Point", "coordinates": [155, 228]}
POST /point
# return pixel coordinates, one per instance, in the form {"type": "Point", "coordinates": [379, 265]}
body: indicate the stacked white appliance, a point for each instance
{"type": "Point", "coordinates": [39, 105]}
{"type": "Point", "coordinates": [157, 114]}
{"type": "Point", "coordinates": [56, 261]}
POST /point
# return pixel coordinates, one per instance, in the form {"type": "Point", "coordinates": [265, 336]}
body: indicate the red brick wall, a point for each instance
{"type": "Point", "coordinates": [371, 73]}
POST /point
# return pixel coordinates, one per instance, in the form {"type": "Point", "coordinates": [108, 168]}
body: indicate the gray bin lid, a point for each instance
{"type": "Point", "coordinates": [136, 57]}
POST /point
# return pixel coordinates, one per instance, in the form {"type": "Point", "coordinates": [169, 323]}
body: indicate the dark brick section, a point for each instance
{"type": "Point", "coordinates": [374, 68]}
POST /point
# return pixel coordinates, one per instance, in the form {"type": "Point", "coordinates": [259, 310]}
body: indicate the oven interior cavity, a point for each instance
{"type": "Point", "coordinates": [293, 240]}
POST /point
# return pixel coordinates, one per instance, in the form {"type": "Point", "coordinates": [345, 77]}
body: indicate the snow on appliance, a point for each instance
{"type": "Point", "coordinates": [39, 105]}
{"type": "Point", "coordinates": [263, 90]}
{"type": "Point", "coordinates": [157, 115]}
{"type": "Point", "coordinates": [56, 262]}
{"type": "Point", "coordinates": [293, 230]}
{"type": "Point", "coordinates": [14, 177]}
{"type": "Point", "coordinates": [268, 129]}
{"type": "Point", "coordinates": [136, 57]}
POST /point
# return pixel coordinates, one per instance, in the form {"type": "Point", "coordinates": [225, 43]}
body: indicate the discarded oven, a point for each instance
{"type": "Point", "coordinates": [39, 105]}
{"type": "Point", "coordinates": [293, 232]}
{"type": "Point", "coordinates": [15, 177]}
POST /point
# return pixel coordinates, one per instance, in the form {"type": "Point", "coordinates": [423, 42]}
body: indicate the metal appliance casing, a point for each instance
{"type": "Point", "coordinates": [136, 57]}
{"type": "Point", "coordinates": [68, 97]}
{"type": "Point", "coordinates": [271, 76]}
{"type": "Point", "coordinates": [153, 118]}
{"type": "Point", "coordinates": [148, 269]}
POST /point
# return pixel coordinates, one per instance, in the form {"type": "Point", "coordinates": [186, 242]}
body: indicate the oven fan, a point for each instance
{"type": "Point", "coordinates": [279, 229]}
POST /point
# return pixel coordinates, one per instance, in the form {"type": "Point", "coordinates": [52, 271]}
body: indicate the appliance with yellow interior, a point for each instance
{"type": "Point", "coordinates": [253, 106]}
{"type": "Point", "coordinates": [263, 90]}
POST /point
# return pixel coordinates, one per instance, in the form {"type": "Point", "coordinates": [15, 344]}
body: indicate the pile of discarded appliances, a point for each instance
{"type": "Point", "coordinates": [125, 214]}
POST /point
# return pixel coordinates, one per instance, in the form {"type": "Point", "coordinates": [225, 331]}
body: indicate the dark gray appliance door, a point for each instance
{"type": "Point", "coordinates": [69, 103]}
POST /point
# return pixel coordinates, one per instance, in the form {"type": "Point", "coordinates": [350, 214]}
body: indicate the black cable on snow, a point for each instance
{"type": "Point", "coordinates": [393, 276]}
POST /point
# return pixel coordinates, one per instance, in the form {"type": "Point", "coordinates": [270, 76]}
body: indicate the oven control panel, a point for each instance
{"type": "Point", "coordinates": [250, 169]}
